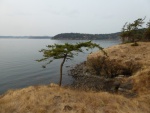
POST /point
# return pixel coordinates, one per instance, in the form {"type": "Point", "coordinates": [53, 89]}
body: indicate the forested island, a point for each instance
{"type": "Point", "coordinates": [81, 36]}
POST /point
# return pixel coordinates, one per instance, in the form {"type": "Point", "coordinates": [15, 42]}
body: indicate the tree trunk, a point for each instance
{"type": "Point", "coordinates": [61, 68]}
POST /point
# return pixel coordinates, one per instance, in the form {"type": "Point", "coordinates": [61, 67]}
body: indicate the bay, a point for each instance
{"type": "Point", "coordinates": [18, 68]}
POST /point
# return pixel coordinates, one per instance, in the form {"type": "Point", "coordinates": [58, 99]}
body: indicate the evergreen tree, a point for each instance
{"type": "Point", "coordinates": [65, 52]}
{"type": "Point", "coordinates": [131, 31]}
{"type": "Point", "coordinates": [147, 32]}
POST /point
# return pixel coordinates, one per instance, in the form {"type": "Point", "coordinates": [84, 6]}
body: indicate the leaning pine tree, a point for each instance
{"type": "Point", "coordinates": [65, 52]}
{"type": "Point", "coordinates": [147, 32]}
{"type": "Point", "coordinates": [131, 31]}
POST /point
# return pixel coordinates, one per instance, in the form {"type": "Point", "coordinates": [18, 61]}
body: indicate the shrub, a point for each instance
{"type": "Point", "coordinates": [110, 68]}
{"type": "Point", "coordinates": [103, 66]}
{"type": "Point", "coordinates": [130, 67]}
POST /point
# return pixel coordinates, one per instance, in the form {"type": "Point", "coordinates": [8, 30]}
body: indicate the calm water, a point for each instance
{"type": "Point", "coordinates": [19, 69]}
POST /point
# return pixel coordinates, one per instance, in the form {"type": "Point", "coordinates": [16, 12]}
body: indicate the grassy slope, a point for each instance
{"type": "Point", "coordinates": [55, 99]}
{"type": "Point", "coordinates": [137, 54]}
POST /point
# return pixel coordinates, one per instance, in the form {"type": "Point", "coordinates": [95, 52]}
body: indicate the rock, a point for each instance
{"type": "Point", "coordinates": [67, 108]}
{"type": "Point", "coordinates": [121, 76]}
{"type": "Point", "coordinates": [127, 93]}
{"type": "Point", "coordinates": [84, 80]}
{"type": "Point", "coordinates": [79, 70]}
{"type": "Point", "coordinates": [127, 85]}
{"type": "Point", "coordinates": [121, 90]}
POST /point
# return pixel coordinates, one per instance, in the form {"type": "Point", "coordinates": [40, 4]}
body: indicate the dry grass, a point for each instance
{"type": "Point", "coordinates": [126, 52]}
{"type": "Point", "coordinates": [138, 55]}
{"type": "Point", "coordinates": [55, 99]}
{"type": "Point", "coordinates": [142, 81]}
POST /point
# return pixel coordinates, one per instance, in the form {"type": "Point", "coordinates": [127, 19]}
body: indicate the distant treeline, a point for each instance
{"type": "Point", "coordinates": [79, 36]}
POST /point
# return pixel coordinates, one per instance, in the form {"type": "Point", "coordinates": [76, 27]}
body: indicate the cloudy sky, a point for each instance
{"type": "Point", "coordinates": [50, 17]}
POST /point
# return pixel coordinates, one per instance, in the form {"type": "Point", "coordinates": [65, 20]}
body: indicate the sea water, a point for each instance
{"type": "Point", "coordinates": [19, 69]}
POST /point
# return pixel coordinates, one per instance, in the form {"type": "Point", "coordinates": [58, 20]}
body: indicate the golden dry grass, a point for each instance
{"type": "Point", "coordinates": [137, 54]}
{"type": "Point", "coordinates": [125, 52]}
{"type": "Point", "coordinates": [55, 99]}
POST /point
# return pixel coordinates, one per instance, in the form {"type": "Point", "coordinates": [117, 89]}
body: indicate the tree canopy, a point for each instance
{"type": "Point", "coordinates": [65, 52]}
{"type": "Point", "coordinates": [147, 32]}
{"type": "Point", "coordinates": [131, 31]}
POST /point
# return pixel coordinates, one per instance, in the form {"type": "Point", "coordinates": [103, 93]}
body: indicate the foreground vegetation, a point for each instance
{"type": "Point", "coordinates": [55, 99]}
{"type": "Point", "coordinates": [131, 61]}
{"type": "Point", "coordinates": [65, 52]}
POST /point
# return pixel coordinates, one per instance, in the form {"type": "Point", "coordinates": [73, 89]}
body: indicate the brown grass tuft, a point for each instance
{"type": "Point", "coordinates": [54, 99]}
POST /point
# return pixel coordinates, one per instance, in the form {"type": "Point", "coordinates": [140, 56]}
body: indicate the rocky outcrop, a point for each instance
{"type": "Point", "coordinates": [125, 61]}
{"type": "Point", "coordinates": [84, 80]}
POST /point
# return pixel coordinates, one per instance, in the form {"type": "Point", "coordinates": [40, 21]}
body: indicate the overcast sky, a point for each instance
{"type": "Point", "coordinates": [51, 17]}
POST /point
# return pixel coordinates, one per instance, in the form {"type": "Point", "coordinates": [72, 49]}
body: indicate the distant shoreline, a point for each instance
{"type": "Point", "coordinates": [81, 36]}
{"type": "Point", "coordinates": [25, 37]}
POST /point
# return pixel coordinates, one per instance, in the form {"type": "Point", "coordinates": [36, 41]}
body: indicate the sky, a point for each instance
{"type": "Point", "coordinates": [51, 17]}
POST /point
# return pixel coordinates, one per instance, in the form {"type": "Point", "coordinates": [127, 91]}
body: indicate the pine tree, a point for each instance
{"type": "Point", "coordinates": [147, 32]}
{"type": "Point", "coordinates": [130, 31]}
{"type": "Point", "coordinates": [65, 52]}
